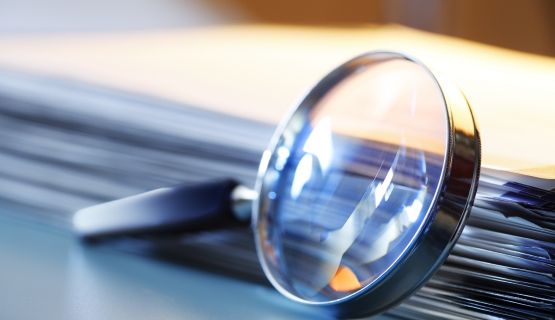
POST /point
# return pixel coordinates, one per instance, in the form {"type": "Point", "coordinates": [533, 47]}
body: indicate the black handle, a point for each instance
{"type": "Point", "coordinates": [184, 208]}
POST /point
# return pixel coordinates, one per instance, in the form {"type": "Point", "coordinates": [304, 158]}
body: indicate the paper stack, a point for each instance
{"type": "Point", "coordinates": [65, 145]}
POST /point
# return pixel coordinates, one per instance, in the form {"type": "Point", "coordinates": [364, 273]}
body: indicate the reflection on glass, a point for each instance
{"type": "Point", "coordinates": [357, 182]}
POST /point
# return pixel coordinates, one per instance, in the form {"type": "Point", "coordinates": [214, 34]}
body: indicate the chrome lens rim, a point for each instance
{"type": "Point", "coordinates": [448, 214]}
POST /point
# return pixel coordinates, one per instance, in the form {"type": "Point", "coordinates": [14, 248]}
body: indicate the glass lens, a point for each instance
{"type": "Point", "coordinates": [352, 179]}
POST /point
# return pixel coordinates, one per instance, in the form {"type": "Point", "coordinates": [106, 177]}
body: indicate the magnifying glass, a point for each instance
{"type": "Point", "coordinates": [359, 198]}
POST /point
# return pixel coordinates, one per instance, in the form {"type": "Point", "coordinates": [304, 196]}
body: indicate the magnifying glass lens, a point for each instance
{"type": "Point", "coordinates": [352, 179]}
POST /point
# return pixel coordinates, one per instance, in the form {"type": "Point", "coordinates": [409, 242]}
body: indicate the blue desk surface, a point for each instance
{"type": "Point", "coordinates": [47, 274]}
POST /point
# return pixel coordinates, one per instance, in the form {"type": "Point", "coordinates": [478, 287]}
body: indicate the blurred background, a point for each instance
{"type": "Point", "coordinates": [104, 99]}
{"type": "Point", "coordinates": [87, 72]}
{"type": "Point", "coordinates": [516, 24]}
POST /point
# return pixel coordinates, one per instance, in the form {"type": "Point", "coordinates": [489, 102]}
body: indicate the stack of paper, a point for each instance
{"type": "Point", "coordinates": [503, 265]}
{"type": "Point", "coordinates": [65, 145]}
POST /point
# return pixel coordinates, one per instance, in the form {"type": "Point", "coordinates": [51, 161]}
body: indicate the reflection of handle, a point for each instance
{"type": "Point", "coordinates": [184, 208]}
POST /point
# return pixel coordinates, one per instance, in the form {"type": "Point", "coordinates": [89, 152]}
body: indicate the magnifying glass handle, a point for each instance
{"type": "Point", "coordinates": [186, 208]}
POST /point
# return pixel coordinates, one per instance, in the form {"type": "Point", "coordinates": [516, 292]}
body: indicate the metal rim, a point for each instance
{"type": "Point", "coordinates": [446, 215]}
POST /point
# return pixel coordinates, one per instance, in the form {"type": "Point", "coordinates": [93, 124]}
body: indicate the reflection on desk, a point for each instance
{"type": "Point", "coordinates": [46, 274]}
